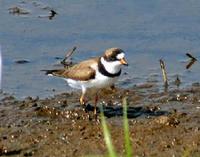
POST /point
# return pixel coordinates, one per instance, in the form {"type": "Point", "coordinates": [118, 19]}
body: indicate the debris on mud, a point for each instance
{"type": "Point", "coordinates": [18, 10]}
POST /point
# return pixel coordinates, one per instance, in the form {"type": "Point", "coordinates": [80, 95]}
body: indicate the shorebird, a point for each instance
{"type": "Point", "coordinates": [99, 72]}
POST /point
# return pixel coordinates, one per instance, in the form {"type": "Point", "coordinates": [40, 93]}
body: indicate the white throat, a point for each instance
{"type": "Point", "coordinates": [112, 66]}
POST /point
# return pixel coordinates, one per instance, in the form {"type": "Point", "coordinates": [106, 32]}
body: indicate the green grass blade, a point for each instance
{"type": "Point", "coordinates": [187, 153]}
{"type": "Point", "coordinates": [107, 137]}
{"type": "Point", "coordinates": [128, 148]}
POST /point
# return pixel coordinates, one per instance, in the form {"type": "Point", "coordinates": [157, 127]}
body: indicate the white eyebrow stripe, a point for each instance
{"type": "Point", "coordinates": [120, 56]}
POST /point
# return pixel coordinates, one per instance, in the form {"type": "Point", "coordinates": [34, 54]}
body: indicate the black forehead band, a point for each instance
{"type": "Point", "coordinates": [114, 54]}
{"type": "Point", "coordinates": [117, 51]}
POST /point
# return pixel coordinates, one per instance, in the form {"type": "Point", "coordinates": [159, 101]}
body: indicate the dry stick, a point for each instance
{"type": "Point", "coordinates": [190, 64]}
{"type": "Point", "coordinates": [164, 73]}
{"type": "Point", "coordinates": [68, 55]}
{"type": "Point", "coordinates": [52, 14]}
{"type": "Point", "coordinates": [192, 61]}
{"type": "Point", "coordinates": [190, 56]}
{"type": "Point", "coordinates": [177, 81]}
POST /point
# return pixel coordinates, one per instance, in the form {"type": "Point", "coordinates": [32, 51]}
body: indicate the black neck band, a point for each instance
{"type": "Point", "coordinates": [103, 71]}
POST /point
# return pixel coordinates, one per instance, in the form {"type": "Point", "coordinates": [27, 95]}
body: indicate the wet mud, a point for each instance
{"type": "Point", "coordinates": [161, 123]}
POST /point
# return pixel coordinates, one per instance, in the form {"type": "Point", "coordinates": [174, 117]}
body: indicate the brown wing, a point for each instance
{"type": "Point", "coordinates": [81, 71]}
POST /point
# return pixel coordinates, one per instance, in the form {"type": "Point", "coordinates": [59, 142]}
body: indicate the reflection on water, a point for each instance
{"type": "Point", "coordinates": [146, 30]}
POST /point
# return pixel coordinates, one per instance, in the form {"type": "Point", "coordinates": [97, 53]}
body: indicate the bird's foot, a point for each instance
{"type": "Point", "coordinates": [82, 101]}
{"type": "Point", "coordinates": [92, 112]}
{"type": "Point", "coordinates": [94, 118]}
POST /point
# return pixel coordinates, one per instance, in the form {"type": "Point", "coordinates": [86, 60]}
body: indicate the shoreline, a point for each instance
{"type": "Point", "coordinates": [160, 123]}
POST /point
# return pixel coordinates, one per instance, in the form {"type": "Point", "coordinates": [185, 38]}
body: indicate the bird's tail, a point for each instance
{"type": "Point", "coordinates": [50, 72]}
{"type": "Point", "coordinates": [55, 72]}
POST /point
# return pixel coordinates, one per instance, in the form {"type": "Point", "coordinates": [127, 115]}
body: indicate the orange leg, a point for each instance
{"type": "Point", "coordinates": [82, 98]}
{"type": "Point", "coordinates": [95, 105]}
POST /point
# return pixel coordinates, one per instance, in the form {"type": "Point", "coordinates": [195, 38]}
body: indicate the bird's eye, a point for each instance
{"type": "Point", "coordinates": [112, 58]}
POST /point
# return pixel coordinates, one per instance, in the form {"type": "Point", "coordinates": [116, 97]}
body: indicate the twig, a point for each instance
{"type": "Point", "coordinates": [192, 61]}
{"type": "Point", "coordinates": [52, 14]}
{"type": "Point", "coordinates": [67, 56]}
{"type": "Point", "coordinates": [177, 81]}
{"type": "Point", "coordinates": [190, 56]}
{"type": "Point", "coordinates": [164, 73]}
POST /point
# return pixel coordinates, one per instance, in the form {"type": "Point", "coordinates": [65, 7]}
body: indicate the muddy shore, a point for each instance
{"type": "Point", "coordinates": [161, 123]}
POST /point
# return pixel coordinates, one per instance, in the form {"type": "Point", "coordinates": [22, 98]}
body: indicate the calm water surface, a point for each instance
{"type": "Point", "coordinates": [145, 30]}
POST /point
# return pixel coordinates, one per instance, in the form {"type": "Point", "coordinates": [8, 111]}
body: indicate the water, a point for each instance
{"type": "Point", "coordinates": [0, 67]}
{"type": "Point", "coordinates": [145, 30]}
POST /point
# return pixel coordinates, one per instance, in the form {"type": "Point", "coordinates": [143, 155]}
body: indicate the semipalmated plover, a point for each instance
{"type": "Point", "coordinates": [97, 72]}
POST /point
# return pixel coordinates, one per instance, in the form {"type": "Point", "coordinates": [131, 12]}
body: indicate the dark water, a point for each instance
{"type": "Point", "coordinates": [146, 30]}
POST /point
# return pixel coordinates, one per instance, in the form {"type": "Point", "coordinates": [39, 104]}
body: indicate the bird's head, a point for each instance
{"type": "Point", "coordinates": [113, 58]}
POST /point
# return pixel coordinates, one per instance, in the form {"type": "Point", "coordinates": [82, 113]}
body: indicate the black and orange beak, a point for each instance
{"type": "Point", "coordinates": [123, 62]}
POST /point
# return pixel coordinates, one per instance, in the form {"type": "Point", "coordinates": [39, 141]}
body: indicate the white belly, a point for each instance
{"type": "Point", "coordinates": [100, 81]}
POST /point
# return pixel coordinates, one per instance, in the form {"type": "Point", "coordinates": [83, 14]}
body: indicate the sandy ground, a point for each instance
{"type": "Point", "coordinates": [161, 123]}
